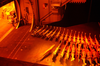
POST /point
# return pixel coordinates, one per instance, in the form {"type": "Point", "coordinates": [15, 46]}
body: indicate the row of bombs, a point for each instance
{"type": "Point", "coordinates": [48, 32]}
{"type": "Point", "coordinates": [70, 46]}
{"type": "Point", "coordinates": [73, 51]}
{"type": "Point", "coordinates": [58, 33]}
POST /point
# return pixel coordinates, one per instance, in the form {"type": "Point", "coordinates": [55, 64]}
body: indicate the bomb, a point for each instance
{"type": "Point", "coordinates": [73, 45]}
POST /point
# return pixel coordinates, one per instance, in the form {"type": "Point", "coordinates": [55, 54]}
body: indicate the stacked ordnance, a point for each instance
{"type": "Point", "coordinates": [72, 45]}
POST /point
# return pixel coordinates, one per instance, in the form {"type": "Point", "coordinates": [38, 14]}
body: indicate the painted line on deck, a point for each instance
{"type": "Point", "coordinates": [17, 45]}
{"type": "Point", "coordinates": [20, 47]}
{"type": "Point", "coordinates": [6, 34]}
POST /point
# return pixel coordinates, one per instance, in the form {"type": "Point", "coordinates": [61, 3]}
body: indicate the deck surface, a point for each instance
{"type": "Point", "coordinates": [20, 45]}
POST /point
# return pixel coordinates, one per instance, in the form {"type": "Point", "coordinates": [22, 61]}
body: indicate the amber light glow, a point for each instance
{"type": "Point", "coordinates": [49, 50]}
{"type": "Point", "coordinates": [70, 36]}
{"type": "Point", "coordinates": [82, 41]}
{"type": "Point", "coordinates": [96, 40]}
{"type": "Point", "coordinates": [86, 40]}
{"type": "Point", "coordinates": [78, 41]}
{"type": "Point", "coordinates": [62, 53]}
{"type": "Point", "coordinates": [74, 45]}
{"type": "Point", "coordinates": [6, 17]}
{"type": "Point", "coordinates": [66, 35]}
{"type": "Point", "coordinates": [7, 10]}
{"type": "Point", "coordinates": [56, 49]}
{"type": "Point", "coordinates": [74, 37]}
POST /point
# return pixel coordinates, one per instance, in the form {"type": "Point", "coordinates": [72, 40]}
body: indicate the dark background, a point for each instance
{"type": "Point", "coordinates": [80, 13]}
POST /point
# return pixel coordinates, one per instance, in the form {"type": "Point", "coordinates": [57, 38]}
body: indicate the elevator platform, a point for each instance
{"type": "Point", "coordinates": [20, 46]}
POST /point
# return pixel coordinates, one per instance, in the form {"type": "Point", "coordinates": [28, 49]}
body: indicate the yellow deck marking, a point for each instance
{"type": "Point", "coordinates": [6, 34]}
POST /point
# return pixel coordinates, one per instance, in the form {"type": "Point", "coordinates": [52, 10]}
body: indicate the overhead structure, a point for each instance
{"type": "Point", "coordinates": [17, 6]}
{"type": "Point", "coordinates": [41, 12]}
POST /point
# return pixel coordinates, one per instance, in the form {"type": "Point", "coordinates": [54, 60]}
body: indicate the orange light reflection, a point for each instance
{"type": "Point", "coordinates": [78, 41]}
{"type": "Point", "coordinates": [70, 36]}
{"type": "Point", "coordinates": [56, 49]}
{"type": "Point", "coordinates": [96, 41]}
{"type": "Point", "coordinates": [82, 41]}
{"type": "Point", "coordinates": [62, 53]}
{"type": "Point", "coordinates": [74, 37]}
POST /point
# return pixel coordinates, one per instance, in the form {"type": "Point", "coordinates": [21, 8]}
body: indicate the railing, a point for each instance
{"type": "Point", "coordinates": [46, 16]}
